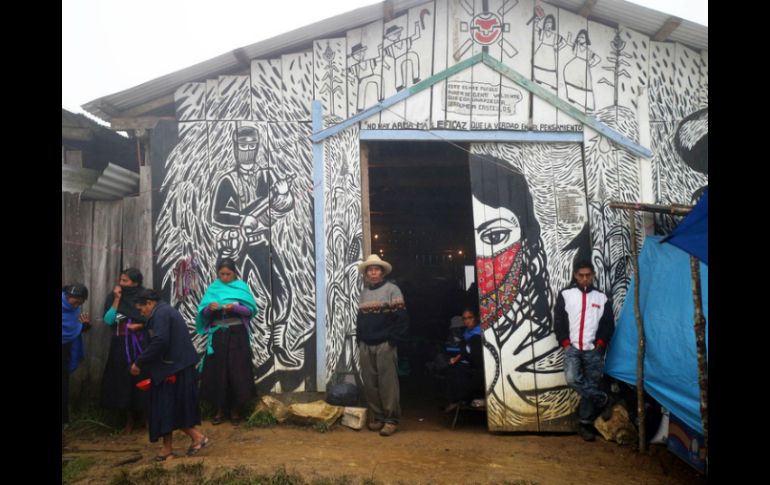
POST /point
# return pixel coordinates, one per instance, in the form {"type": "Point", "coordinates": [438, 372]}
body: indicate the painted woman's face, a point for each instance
{"type": "Point", "coordinates": [498, 230]}
{"type": "Point", "coordinates": [548, 24]}
{"type": "Point", "coordinates": [529, 373]}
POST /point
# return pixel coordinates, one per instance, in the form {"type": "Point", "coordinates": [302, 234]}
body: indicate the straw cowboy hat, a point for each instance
{"type": "Point", "coordinates": [374, 260]}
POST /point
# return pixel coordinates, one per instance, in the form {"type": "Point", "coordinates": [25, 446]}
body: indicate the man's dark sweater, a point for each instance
{"type": "Point", "coordinates": [381, 315]}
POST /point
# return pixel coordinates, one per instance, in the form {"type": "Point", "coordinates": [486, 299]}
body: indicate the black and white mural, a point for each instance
{"type": "Point", "coordinates": [236, 179]}
{"type": "Point", "coordinates": [344, 237]}
{"type": "Point", "coordinates": [529, 210]}
{"type": "Point", "coordinates": [236, 187]}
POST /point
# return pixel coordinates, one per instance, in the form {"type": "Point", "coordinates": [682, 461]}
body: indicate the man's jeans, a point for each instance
{"type": "Point", "coordinates": [583, 371]}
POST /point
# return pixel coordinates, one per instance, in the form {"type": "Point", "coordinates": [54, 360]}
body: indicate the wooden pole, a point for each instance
{"type": "Point", "coordinates": [640, 349]}
{"type": "Point", "coordinates": [674, 209]}
{"type": "Point", "coordinates": [700, 346]}
{"type": "Point", "coordinates": [365, 210]}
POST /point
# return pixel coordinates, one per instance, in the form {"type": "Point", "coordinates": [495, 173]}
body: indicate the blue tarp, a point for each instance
{"type": "Point", "coordinates": [692, 234]}
{"type": "Point", "coordinates": [666, 304]}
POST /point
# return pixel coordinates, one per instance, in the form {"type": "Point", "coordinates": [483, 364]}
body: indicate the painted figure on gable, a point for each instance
{"type": "Point", "coordinates": [577, 73]}
{"type": "Point", "coordinates": [549, 43]}
{"type": "Point", "coordinates": [365, 70]}
{"type": "Point", "coordinates": [403, 58]}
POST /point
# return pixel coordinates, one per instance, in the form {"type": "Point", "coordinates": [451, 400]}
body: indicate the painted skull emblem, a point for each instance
{"type": "Point", "coordinates": [486, 28]}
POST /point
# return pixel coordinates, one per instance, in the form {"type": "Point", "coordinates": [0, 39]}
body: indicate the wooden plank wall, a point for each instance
{"type": "Point", "coordinates": [98, 240]}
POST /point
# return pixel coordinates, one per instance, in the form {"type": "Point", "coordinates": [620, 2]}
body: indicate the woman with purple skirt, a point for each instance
{"type": "Point", "coordinates": [119, 390]}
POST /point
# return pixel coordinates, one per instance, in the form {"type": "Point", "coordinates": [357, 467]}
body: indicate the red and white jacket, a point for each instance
{"type": "Point", "coordinates": [583, 318]}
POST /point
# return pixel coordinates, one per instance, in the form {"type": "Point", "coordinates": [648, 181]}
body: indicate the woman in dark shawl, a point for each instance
{"type": "Point", "coordinates": [119, 389]}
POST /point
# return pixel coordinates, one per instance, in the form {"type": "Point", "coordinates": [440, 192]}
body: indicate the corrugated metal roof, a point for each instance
{"type": "Point", "coordinates": [641, 19]}
{"type": "Point", "coordinates": [612, 12]}
{"type": "Point", "coordinates": [76, 180]}
{"type": "Point", "coordinates": [113, 183]}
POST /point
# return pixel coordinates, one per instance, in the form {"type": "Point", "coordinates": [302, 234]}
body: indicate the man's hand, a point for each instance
{"type": "Point", "coordinates": [453, 360]}
{"type": "Point", "coordinates": [117, 291]}
{"type": "Point", "coordinates": [282, 186]}
{"type": "Point", "coordinates": [250, 224]}
{"type": "Point", "coordinates": [214, 306]}
{"type": "Point", "coordinates": [134, 371]}
{"type": "Point", "coordinates": [229, 307]}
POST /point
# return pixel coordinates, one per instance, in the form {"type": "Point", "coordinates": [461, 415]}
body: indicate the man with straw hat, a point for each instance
{"type": "Point", "coordinates": [381, 323]}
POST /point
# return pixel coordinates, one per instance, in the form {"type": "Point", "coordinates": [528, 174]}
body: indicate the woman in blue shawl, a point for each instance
{"type": "Point", "coordinates": [73, 324]}
{"type": "Point", "coordinates": [223, 315]}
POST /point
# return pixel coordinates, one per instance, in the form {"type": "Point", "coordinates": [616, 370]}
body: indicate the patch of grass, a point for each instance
{"type": "Point", "coordinates": [322, 427]}
{"type": "Point", "coordinates": [282, 477]}
{"type": "Point", "coordinates": [122, 478]}
{"type": "Point", "coordinates": [89, 418]}
{"type": "Point", "coordinates": [192, 470]}
{"type": "Point", "coordinates": [155, 475]}
{"type": "Point", "coordinates": [76, 468]}
{"type": "Point", "coordinates": [341, 480]}
{"type": "Point", "coordinates": [239, 475]}
{"type": "Point", "coordinates": [243, 476]}
{"type": "Point", "coordinates": [262, 419]}
{"type": "Point", "coordinates": [207, 410]}
{"type": "Point", "coordinates": [370, 481]}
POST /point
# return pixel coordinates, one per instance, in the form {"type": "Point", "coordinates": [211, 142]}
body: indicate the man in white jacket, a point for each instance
{"type": "Point", "coordinates": [584, 323]}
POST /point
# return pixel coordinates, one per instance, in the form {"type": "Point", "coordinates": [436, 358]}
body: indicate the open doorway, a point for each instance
{"type": "Point", "coordinates": [421, 221]}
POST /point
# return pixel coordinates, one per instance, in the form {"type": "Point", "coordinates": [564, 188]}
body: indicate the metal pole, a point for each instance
{"type": "Point", "coordinates": [700, 346]}
{"type": "Point", "coordinates": [640, 349]}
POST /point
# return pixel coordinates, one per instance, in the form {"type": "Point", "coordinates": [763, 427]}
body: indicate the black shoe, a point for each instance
{"type": "Point", "coordinates": [606, 413]}
{"type": "Point", "coordinates": [586, 432]}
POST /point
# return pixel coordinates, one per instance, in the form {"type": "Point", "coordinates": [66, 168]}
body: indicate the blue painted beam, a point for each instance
{"type": "Point", "coordinates": [396, 98]}
{"type": "Point", "coordinates": [472, 136]}
{"type": "Point", "coordinates": [524, 82]}
{"type": "Point", "coordinates": [320, 250]}
{"type": "Point", "coordinates": [565, 107]}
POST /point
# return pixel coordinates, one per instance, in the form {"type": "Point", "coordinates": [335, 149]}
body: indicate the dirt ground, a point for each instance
{"type": "Point", "coordinates": [424, 450]}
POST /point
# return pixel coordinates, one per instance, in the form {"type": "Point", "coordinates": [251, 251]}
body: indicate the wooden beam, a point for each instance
{"type": "Point", "coordinates": [396, 98]}
{"type": "Point", "coordinates": [478, 136]}
{"type": "Point", "coordinates": [565, 107]}
{"type": "Point", "coordinates": [509, 73]}
{"type": "Point", "coordinates": [367, 222]}
{"type": "Point", "coordinates": [671, 25]}
{"type": "Point", "coordinates": [320, 250]}
{"type": "Point", "coordinates": [108, 109]}
{"type": "Point", "coordinates": [587, 7]}
{"type": "Point", "coordinates": [148, 106]}
{"type": "Point", "coordinates": [76, 134]}
{"type": "Point", "coordinates": [137, 123]}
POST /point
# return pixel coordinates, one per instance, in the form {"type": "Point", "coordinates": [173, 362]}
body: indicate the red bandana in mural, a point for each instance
{"type": "Point", "coordinates": [499, 279]}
